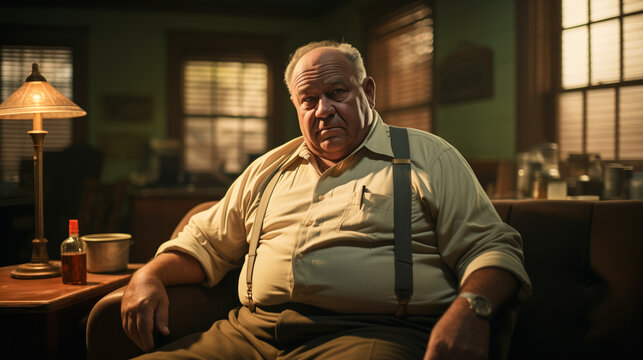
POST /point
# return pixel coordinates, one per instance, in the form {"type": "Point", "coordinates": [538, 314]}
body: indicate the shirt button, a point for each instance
{"type": "Point", "coordinates": [321, 197]}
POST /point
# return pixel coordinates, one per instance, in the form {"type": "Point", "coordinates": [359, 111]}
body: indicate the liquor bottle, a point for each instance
{"type": "Point", "coordinates": [73, 257]}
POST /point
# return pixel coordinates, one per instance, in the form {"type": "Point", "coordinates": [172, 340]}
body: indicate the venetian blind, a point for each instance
{"type": "Point", "coordinates": [600, 107]}
{"type": "Point", "coordinates": [400, 59]}
{"type": "Point", "coordinates": [15, 65]}
{"type": "Point", "coordinates": [225, 114]}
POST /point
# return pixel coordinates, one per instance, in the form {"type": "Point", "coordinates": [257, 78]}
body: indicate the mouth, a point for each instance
{"type": "Point", "coordinates": [326, 128]}
{"type": "Point", "coordinates": [329, 131]}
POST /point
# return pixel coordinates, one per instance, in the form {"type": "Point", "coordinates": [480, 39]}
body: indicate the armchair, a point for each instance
{"type": "Point", "coordinates": [584, 259]}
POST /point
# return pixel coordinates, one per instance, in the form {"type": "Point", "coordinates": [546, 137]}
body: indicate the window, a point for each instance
{"type": "Point", "coordinates": [225, 95]}
{"type": "Point", "coordinates": [600, 105]}
{"type": "Point", "coordinates": [225, 114]}
{"type": "Point", "coordinates": [15, 65]}
{"type": "Point", "coordinates": [400, 59]}
{"type": "Point", "coordinates": [61, 54]}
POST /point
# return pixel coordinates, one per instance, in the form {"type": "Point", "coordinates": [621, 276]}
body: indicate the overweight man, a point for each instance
{"type": "Point", "coordinates": [322, 280]}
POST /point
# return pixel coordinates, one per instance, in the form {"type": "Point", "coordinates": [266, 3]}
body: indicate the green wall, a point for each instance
{"type": "Point", "coordinates": [482, 128]}
{"type": "Point", "coordinates": [127, 56]}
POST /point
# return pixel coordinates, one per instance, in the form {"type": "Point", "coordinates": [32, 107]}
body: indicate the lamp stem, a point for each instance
{"type": "Point", "coordinates": [37, 123]}
{"type": "Point", "coordinates": [39, 267]}
{"type": "Point", "coordinates": [38, 138]}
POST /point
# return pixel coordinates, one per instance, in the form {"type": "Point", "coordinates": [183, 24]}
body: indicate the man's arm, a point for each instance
{"type": "Point", "coordinates": [460, 334]}
{"type": "Point", "coordinates": [145, 303]}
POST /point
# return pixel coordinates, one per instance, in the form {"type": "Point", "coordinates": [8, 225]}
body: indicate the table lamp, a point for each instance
{"type": "Point", "coordinates": [36, 100]}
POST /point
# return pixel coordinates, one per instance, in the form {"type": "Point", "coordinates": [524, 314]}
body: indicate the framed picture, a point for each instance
{"type": "Point", "coordinates": [465, 74]}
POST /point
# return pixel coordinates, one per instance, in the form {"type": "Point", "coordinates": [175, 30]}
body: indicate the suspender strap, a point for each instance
{"type": "Point", "coordinates": [256, 231]}
{"type": "Point", "coordinates": [402, 218]}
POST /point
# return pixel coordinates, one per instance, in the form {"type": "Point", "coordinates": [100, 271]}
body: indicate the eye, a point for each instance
{"type": "Point", "coordinates": [338, 94]}
{"type": "Point", "coordinates": [308, 102]}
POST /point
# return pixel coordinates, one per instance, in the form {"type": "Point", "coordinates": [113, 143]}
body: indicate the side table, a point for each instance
{"type": "Point", "coordinates": [44, 318]}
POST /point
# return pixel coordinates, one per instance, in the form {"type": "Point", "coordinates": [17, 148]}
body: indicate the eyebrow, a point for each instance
{"type": "Point", "coordinates": [336, 80]}
{"type": "Point", "coordinates": [302, 91]}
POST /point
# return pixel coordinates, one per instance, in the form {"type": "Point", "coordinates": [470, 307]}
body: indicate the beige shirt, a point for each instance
{"type": "Point", "coordinates": [327, 238]}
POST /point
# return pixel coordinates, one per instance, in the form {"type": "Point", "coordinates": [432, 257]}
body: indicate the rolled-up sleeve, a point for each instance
{"type": "Point", "coordinates": [469, 231]}
{"type": "Point", "coordinates": [215, 237]}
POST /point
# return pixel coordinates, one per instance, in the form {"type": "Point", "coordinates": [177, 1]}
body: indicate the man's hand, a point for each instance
{"type": "Point", "coordinates": [459, 334]}
{"type": "Point", "coordinates": [144, 306]}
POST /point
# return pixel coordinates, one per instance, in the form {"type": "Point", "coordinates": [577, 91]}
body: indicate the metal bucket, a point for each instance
{"type": "Point", "coordinates": [108, 252]}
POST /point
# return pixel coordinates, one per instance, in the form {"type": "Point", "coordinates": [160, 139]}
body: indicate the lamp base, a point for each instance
{"type": "Point", "coordinates": [36, 271]}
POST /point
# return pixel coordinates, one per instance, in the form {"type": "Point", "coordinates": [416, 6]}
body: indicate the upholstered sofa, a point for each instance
{"type": "Point", "coordinates": [584, 259]}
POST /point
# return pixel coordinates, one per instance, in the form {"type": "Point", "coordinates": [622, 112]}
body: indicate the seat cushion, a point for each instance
{"type": "Point", "coordinates": [553, 321]}
{"type": "Point", "coordinates": [617, 258]}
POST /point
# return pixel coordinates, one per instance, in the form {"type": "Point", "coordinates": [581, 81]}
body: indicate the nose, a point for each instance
{"type": "Point", "coordinates": [325, 107]}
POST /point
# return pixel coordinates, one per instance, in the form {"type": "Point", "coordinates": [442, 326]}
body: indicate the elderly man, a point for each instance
{"type": "Point", "coordinates": [322, 281]}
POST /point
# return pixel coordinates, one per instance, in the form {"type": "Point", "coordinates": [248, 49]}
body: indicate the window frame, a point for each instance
{"type": "Point", "coordinates": [182, 45]}
{"type": "Point", "coordinates": [539, 75]}
{"type": "Point", "coordinates": [538, 68]}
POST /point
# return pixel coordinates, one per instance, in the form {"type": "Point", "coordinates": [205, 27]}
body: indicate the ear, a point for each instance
{"type": "Point", "coordinates": [368, 85]}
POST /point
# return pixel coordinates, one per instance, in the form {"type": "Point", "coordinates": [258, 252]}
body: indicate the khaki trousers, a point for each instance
{"type": "Point", "coordinates": [297, 331]}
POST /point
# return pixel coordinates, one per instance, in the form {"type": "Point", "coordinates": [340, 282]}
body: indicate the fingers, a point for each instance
{"type": "Point", "coordinates": [128, 319]}
{"type": "Point", "coordinates": [140, 304]}
{"type": "Point", "coordinates": [161, 316]}
{"type": "Point", "coordinates": [138, 325]}
{"type": "Point", "coordinates": [134, 325]}
{"type": "Point", "coordinates": [145, 325]}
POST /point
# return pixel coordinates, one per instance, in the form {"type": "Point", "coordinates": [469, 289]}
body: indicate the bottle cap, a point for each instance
{"type": "Point", "coordinates": [73, 226]}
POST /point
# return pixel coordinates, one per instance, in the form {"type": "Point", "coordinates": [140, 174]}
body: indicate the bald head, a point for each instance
{"type": "Point", "coordinates": [348, 51]}
{"type": "Point", "coordinates": [324, 63]}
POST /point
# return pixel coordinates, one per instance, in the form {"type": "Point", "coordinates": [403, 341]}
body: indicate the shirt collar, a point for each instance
{"type": "Point", "coordinates": [378, 140]}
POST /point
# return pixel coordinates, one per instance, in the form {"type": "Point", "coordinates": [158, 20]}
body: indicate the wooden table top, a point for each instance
{"type": "Point", "coordinates": [43, 295]}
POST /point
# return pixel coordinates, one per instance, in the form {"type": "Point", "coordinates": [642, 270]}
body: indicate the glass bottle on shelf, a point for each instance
{"type": "Point", "coordinates": [549, 155]}
{"type": "Point", "coordinates": [595, 169]}
{"type": "Point", "coordinates": [73, 257]}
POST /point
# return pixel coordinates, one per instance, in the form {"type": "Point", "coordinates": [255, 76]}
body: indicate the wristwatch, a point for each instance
{"type": "Point", "coordinates": [480, 305]}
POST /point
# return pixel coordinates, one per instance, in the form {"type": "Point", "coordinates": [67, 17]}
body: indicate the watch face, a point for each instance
{"type": "Point", "coordinates": [481, 306]}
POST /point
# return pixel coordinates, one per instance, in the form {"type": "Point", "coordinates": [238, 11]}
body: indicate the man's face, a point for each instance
{"type": "Point", "coordinates": [333, 109]}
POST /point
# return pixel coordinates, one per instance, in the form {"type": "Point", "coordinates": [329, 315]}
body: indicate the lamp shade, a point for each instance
{"type": "Point", "coordinates": [36, 96]}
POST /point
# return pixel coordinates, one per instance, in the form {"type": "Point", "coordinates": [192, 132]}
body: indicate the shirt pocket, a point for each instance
{"type": "Point", "coordinates": [369, 213]}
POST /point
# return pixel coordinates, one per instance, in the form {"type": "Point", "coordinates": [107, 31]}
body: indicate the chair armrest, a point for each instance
{"type": "Point", "coordinates": [105, 336]}
{"type": "Point", "coordinates": [193, 308]}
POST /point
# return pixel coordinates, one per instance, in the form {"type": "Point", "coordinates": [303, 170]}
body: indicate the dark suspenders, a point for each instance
{"type": "Point", "coordinates": [256, 230]}
{"type": "Point", "coordinates": [402, 221]}
{"type": "Point", "coordinates": [402, 218]}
